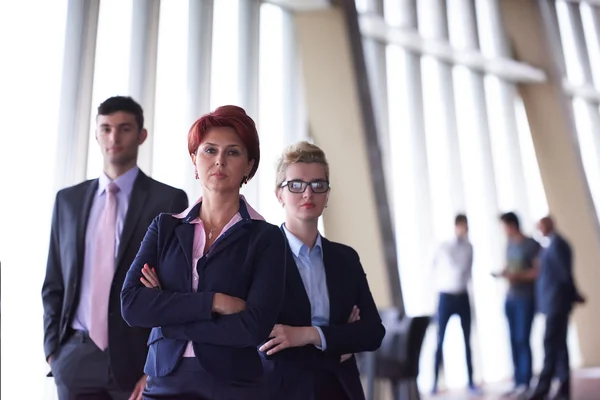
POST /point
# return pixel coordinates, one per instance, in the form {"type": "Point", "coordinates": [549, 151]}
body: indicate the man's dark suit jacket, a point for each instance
{"type": "Point", "coordinates": [60, 293]}
{"type": "Point", "coordinates": [290, 373]}
{"type": "Point", "coordinates": [556, 290]}
{"type": "Point", "coordinates": [248, 261]}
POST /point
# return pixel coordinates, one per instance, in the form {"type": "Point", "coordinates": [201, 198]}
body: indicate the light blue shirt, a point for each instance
{"type": "Point", "coordinates": [312, 271]}
{"type": "Point", "coordinates": [125, 183]}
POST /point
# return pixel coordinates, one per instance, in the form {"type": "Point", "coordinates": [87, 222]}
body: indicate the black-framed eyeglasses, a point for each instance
{"type": "Point", "coordinates": [298, 186]}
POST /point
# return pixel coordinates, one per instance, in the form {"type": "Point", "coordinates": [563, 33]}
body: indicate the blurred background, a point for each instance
{"type": "Point", "coordinates": [425, 108]}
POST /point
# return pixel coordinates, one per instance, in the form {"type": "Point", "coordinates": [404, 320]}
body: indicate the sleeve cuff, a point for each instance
{"type": "Point", "coordinates": [206, 302]}
{"type": "Point", "coordinates": [323, 345]}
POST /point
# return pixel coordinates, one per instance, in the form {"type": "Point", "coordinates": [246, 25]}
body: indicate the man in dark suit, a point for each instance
{"type": "Point", "coordinates": [556, 293]}
{"type": "Point", "coordinates": [97, 227]}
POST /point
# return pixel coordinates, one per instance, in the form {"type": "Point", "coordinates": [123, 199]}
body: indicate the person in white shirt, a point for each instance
{"type": "Point", "coordinates": [452, 265]}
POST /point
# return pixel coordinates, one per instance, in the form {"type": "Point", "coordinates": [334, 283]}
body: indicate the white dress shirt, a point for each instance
{"type": "Point", "coordinates": [312, 271]}
{"type": "Point", "coordinates": [452, 266]}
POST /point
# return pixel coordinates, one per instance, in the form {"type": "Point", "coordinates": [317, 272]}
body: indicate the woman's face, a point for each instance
{"type": "Point", "coordinates": [222, 160]}
{"type": "Point", "coordinates": [308, 205]}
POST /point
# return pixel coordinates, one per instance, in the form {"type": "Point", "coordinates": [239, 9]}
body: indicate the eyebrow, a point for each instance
{"type": "Point", "coordinates": [216, 145]}
{"type": "Point", "coordinates": [118, 126]}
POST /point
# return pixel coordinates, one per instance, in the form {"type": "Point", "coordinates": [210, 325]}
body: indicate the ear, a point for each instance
{"type": "Point", "coordinates": [142, 136]}
{"type": "Point", "coordinates": [193, 158]}
{"type": "Point", "coordinates": [250, 166]}
{"type": "Point", "coordinates": [278, 194]}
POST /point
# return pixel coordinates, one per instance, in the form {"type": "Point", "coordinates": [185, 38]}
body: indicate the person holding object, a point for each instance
{"type": "Point", "coordinates": [521, 272]}
{"type": "Point", "coordinates": [97, 227]}
{"type": "Point", "coordinates": [556, 293]}
{"type": "Point", "coordinates": [209, 281]}
{"type": "Point", "coordinates": [328, 312]}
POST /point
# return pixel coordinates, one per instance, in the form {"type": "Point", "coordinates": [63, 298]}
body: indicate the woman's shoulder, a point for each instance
{"type": "Point", "coordinates": [167, 221]}
{"type": "Point", "coordinates": [262, 227]}
{"type": "Point", "coordinates": [340, 249]}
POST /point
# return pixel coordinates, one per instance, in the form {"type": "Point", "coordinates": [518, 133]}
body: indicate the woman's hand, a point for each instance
{"type": "Point", "coordinates": [283, 336]}
{"type": "Point", "coordinates": [225, 305]}
{"type": "Point", "coordinates": [354, 316]}
{"type": "Point", "coordinates": [150, 278]}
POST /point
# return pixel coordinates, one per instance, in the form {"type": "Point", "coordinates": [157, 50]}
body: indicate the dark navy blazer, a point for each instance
{"type": "Point", "coordinates": [555, 287]}
{"type": "Point", "coordinates": [247, 261]}
{"type": "Point", "coordinates": [290, 373]}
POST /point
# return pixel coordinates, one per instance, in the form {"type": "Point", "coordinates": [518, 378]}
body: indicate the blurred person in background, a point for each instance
{"type": "Point", "coordinates": [452, 265]}
{"type": "Point", "coordinates": [209, 281]}
{"type": "Point", "coordinates": [328, 312]}
{"type": "Point", "coordinates": [521, 271]}
{"type": "Point", "coordinates": [556, 293]}
{"type": "Point", "coordinates": [97, 227]}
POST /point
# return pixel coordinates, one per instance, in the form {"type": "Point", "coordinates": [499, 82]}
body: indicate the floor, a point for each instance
{"type": "Point", "coordinates": [586, 386]}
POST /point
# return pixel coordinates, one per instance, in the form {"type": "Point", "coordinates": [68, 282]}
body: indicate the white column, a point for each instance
{"type": "Point", "coordinates": [481, 198]}
{"type": "Point", "coordinates": [375, 58]}
{"type": "Point", "coordinates": [591, 13]}
{"type": "Point", "coordinates": [200, 38]}
{"type": "Point", "coordinates": [76, 91]}
{"type": "Point", "coordinates": [440, 121]}
{"type": "Point", "coordinates": [294, 119]}
{"type": "Point", "coordinates": [142, 71]}
{"type": "Point", "coordinates": [583, 76]}
{"type": "Point", "coordinates": [410, 183]}
{"type": "Point", "coordinates": [249, 33]}
{"type": "Point", "coordinates": [503, 124]}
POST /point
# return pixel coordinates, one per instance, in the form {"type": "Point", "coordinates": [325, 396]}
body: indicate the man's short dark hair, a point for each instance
{"type": "Point", "coordinates": [460, 219]}
{"type": "Point", "coordinates": [511, 219]}
{"type": "Point", "coordinates": [125, 104]}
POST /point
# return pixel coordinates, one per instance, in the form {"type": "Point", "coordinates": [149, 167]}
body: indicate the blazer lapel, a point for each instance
{"type": "Point", "coordinates": [334, 278]}
{"type": "Point", "coordinates": [139, 195]}
{"type": "Point", "coordinates": [82, 221]}
{"type": "Point", "coordinates": [185, 236]}
{"type": "Point", "coordinates": [296, 286]}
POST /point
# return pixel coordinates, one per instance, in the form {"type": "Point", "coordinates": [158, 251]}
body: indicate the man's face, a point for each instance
{"type": "Point", "coordinates": [119, 137]}
{"type": "Point", "coordinates": [461, 229]}
{"type": "Point", "coordinates": [510, 229]}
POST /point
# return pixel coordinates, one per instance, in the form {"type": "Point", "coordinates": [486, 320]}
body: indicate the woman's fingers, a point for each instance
{"type": "Point", "coordinates": [146, 283]}
{"type": "Point", "coordinates": [269, 344]}
{"type": "Point", "coordinates": [276, 349]}
{"type": "Point", "coordinates": [150, 277]}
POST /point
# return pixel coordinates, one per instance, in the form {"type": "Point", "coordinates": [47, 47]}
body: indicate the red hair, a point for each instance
{"type": "Point", "coordinates": [232, 117]}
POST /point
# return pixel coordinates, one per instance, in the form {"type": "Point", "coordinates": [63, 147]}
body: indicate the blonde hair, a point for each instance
{"type": "Point", "coordinates": [301, 152]}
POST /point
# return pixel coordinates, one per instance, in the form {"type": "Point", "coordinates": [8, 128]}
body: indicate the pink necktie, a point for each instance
{"type": "Point", "coordinates": [103, 268]}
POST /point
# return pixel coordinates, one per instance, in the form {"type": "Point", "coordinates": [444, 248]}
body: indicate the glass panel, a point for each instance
{"type": "Point", "coordinates": [171, 161]}
{"type": "Point", "coordinates": [224, 85]}
{"type": "Point", "coordinates": [272, 92]}
{"type": "Point", "coordinates": [111, 70]}
{"type": "Point", "coordinates": [32, 39]}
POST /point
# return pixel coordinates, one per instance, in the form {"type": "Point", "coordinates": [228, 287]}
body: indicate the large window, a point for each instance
{"type": "Point", "coordinates": [476, 118]}
{"type": "Point", "coordinates": [32, 45]}
{"type": "Point", "coordinates": [579, 27]}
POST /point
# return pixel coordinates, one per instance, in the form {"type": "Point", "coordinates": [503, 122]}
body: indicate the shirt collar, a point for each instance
{"type": "Point", "coordinates": [124, 182]}
{"type": "Point", "coordinates": [246, 211]}
{"type": "Point", "coordinates": [296, 244]}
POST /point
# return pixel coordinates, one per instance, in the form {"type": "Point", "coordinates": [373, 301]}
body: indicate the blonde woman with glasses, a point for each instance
{"type": "Point", "coordinates": [328, 312]}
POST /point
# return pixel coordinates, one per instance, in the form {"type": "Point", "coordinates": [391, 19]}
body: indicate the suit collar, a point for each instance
{"type": "Point", "coordinates": [125, 182]}
{"type": "Point", "coordinates": [137, 201]}
{"type": "Point", "coordinates": [82, 220]}
{"type": "Point", "coordinates": [246, 211]}
{"type": "Point", "coordinates": [296, 245]}
{"type": "Point", "coordinates": [185, 231]}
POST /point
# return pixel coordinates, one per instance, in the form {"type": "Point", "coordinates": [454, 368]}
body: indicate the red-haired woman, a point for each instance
{"type": "Point", "coordinates": [209, 281]}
